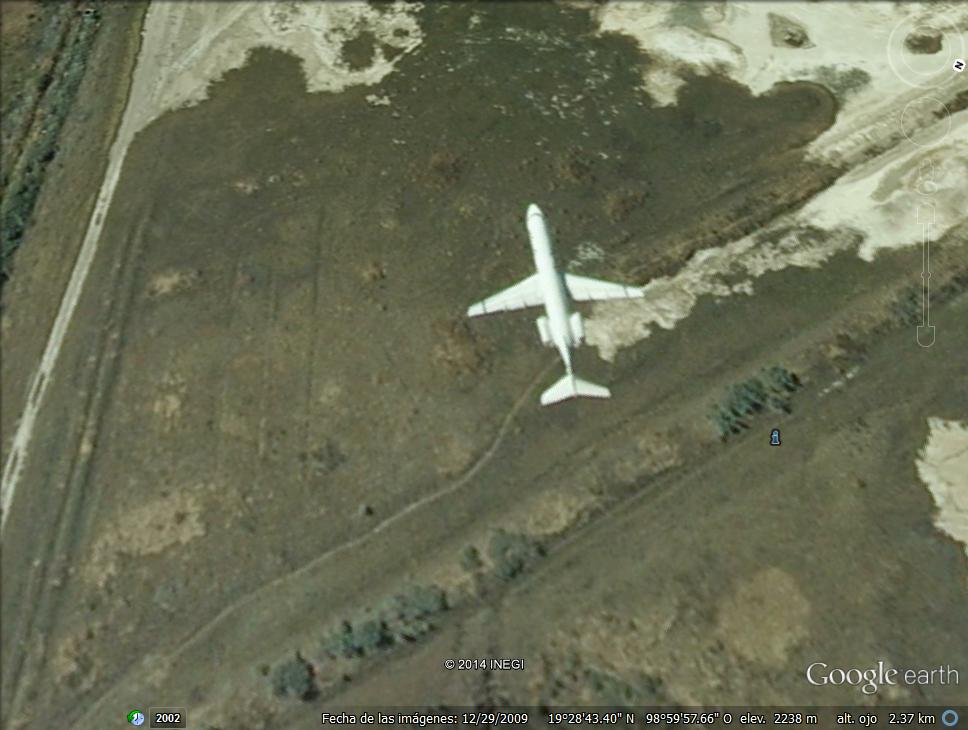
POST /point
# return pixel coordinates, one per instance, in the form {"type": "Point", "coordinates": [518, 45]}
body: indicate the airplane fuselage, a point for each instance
{"type": "Point", "coordinates": [557, 311]}
{"type": "Point", "coordinates": [554, 290]}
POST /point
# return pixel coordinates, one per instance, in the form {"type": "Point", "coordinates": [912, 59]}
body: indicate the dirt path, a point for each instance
{"type": "Point", "coordinates": [17, 453]}
{"type": "Point", "coordinates": [167, 76]}
{"type": "Point", "coordinates": [722, 581]}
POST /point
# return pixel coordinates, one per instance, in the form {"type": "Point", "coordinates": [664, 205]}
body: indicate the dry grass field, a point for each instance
{"type": "Point", "coordinates": [270, 432]}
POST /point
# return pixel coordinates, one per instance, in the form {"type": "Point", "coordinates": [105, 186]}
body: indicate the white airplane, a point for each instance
{"type": "Point", "coordinates": [559, 327]}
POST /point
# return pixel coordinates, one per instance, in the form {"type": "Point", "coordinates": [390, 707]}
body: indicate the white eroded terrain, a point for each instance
{"type": "Point", "coordinates": [943, 467]}
{"type": "Point", "coordinates": [189, 46]}
{"type": "Point", "coordinates": [909, 153]}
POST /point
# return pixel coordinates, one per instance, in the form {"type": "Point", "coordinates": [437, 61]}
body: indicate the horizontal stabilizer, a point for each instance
{"type": "Point", "coordinates": [573, 387]}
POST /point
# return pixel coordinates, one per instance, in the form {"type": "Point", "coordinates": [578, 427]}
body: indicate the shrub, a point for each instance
{"type": "Point", "coordinates": [356, 639]}
{"type": "Point", "coordinates": [327, 458]}
{"type": "Point", "coordinates": [340, 641]}
{"type": "Point", "coordinates": [371, 635]}
{"type": "Point", "coordinates": [780, 379]}
{"type": "Point", "coordinates": [470, 559]}
{"type": "Point", "coordinates": [294, 678]}
{"type": "Point", "coordinates": [510, 553]}
{"type": "Point", "coordinates": [908, 307]}
{"type": "Point", "coordinates": [404, 617]}
{"type": "Point", "coordinates": [771, 389]}
{"type": "Point", "coordinates": [409, 614]}
{"type": "Point", "coordinates": [23, 179]}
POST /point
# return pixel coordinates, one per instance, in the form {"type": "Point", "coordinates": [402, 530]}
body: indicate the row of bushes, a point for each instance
{"type": "Point", "coordinates": [403, 618]}
{"type": "Point", "coordinates": [770, 390]}
{"type": "Point", "coordinates": [22, 185]}
{"type": "Point", "coordinates": [44, 40]}
{"type": "Point", "coordinates": [509, 553]}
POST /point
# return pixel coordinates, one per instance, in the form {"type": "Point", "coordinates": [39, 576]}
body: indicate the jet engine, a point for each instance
{"type": "Point", "coordinates": [544, 331]}
{"type": "Point", "coordinates": [577, 326]}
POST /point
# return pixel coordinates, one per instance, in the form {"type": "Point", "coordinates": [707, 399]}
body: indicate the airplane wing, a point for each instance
{"type": "Point", "coordinates": [526, 293]}
{"type": "Point", "coordinates": [583, 289]}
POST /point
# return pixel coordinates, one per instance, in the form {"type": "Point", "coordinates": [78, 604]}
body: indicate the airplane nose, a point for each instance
{"type": "Point", "coordinates": [534, 210]}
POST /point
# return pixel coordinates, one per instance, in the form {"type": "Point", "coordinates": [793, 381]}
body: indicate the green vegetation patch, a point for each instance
{"type": "Point", "coordinates": [54, 93]}
{"type": "Point", "coordinates": [403, 618]}
{"type": "Point", "coordinates": [771, 390]}
{"type": "Point", "coordinates": [511, 553]}
{"type": "Point", "coordinates": [294, 678]}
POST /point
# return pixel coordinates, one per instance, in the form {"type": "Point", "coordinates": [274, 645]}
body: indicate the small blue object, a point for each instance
{"type": "Point", "coordinates": [775, 437]}
{"type": "Point", "coordinates": [949, 718]}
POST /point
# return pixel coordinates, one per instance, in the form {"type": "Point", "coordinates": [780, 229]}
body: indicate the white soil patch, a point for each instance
{"type": "Point", "coordinates": [172, 281]}
{"type": "Point", "coordinates": [943, 467]}
{"type": "Point", "coordinates": [189, 46]}
{"type": "Point", "coordinates": [858, 49]}
{"type": "Point", "coordinates": [904, 197]}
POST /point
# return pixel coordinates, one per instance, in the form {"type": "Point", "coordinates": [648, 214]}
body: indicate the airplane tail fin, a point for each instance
{"type": "Point", "coordinates": [571, 386]}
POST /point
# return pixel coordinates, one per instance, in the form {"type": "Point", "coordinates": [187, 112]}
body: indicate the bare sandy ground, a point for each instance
{"type": "Point", "coordinates": [943, 467]}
